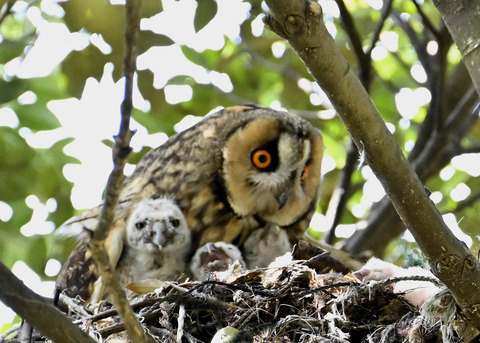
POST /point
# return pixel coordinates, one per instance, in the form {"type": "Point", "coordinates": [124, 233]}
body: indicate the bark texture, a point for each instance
{"type": "Point", "coordinates": [463, 21]}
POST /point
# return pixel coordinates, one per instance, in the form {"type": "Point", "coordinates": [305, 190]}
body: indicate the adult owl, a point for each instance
{"type": "Point", "coordinates": [237, 170]}
{"type": "Point", "coordinates": [153, 244]}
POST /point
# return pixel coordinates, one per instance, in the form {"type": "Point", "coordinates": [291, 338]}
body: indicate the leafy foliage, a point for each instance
{"type": "Point", "coordinates": [412, 54]}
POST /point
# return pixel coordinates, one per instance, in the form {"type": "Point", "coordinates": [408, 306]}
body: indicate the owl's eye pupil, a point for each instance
{"type": "Point", "coordinates": [174, 222]}
{"type": "Point", "coordinates": [140, 225]}
{"type": "Point", "coordinates": [261, 158]}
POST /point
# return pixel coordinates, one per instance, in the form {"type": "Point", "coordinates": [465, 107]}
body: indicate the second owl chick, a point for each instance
{"type": "Point", "coordinates": [264, 245]}
{"type": "Point", "coordinates": [214, 257]}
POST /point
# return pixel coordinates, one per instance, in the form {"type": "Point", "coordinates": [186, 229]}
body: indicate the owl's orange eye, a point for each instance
{"type": "Point", "coordinates": [261, 159]}
{"type": "Point", "coordinates": [304, 173]}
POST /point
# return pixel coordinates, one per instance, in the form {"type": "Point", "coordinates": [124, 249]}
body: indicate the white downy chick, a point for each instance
{"type": "Point", "coordinates": [264, 245]}
{"type": "Point", "coordinates": [214, 258]}
{"type": "Point", "coordinates": [415, 292]}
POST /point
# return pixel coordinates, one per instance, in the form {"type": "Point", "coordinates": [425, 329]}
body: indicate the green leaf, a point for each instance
{"type": "Point", "coordinates": [80, 65]}
{"type": "Point", "coordinates": [135, 157]}
{"type": "Point", "coordinates": [10, 49]}
{"type": "Point", "coordinates": [206, 11]}
{"type": "Point", "coordinates": [150, 8]}
{"type": "Point", "coordinates": [10, 90]}
{"type": "Point", "coordinates": [36, 117]}
{"type": "Point", "coordinates": [37, 254]}
{"type": "Point", "coordinates": [148, 38]}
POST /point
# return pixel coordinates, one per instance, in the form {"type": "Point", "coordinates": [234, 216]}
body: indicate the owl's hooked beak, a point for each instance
{"type": "Point", "coordinates": [282, 199]}
{"type": "Point", "coordinates": [157, 234]}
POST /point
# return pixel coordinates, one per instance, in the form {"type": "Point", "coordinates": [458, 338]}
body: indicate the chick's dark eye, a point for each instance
{"type": "Point", "coordinates": [261, 159]}
{"type": "Point", "coordinates": [140, 225]}
{"type": "Point", "coordinates": [174, 222]}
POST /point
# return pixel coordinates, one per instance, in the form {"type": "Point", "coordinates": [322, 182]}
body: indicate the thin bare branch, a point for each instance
{"type": "Point", "coordinates": [426, 21]}
{"type": "Point", "coordinates": [8, 7]}
{"type": "Point", "coordinates": [342, 193]}
{"type": "Point", "coordinates": [470, 201]}
{"type": "Point", "coordinates": [386, 10]}
{"type": "Point", "coordinates": [121, 151]}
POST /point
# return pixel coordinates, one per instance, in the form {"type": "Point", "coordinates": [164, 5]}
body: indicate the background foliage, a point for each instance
{"type": "Point", "coordinates": [61, 84]}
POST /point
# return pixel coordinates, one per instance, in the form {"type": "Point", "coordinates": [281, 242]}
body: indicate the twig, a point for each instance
{"type": "Point", "coordinates": [470, 201]}
{"type": "Point", "coordinates": [8, 8]}
{"type": "Point", "coordinates": [121, 151]}
{"type": "Point", "coordinates": [386, 10]}
{"type": "Point", "coordinates": [324, 289]}
{"type": "Point", "coordinates": [426, 21]}
{"type": "Point", "coordinates": [341, 194]}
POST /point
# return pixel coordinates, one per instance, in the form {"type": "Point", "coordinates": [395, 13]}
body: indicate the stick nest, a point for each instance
{"type": "Point", "coordinates": [291, 303]}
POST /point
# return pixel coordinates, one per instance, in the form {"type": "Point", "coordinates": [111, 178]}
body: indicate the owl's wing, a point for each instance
{"type": "Point", "coordinates": [114, 244]}
{"type": "Point", "coordinates": [116, 240]}
{"type": "Point", "coordinates": [76, 226]}
{"type": "Point", "coordinates": [79, 275]}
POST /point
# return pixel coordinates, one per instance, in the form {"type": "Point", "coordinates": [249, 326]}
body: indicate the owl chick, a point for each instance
{"type": "Point", "coordinates": [214, 257]}
{"type": "Point", "coordinates": [153, 244]}
{"type": "Point", "coordinates": [415, 292]}
{"type": "Point", "coordinates": [233, 172]}
{"type": "Point", "coordinates": [264, 245]}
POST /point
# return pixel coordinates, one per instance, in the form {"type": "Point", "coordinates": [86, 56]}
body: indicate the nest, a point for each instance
{"type": "Point", "coordinates": [289, 303]}
{"type": "Point", "coordinates": [292, 301]}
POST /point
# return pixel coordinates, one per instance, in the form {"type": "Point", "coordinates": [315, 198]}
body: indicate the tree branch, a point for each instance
{"type": "Point", "coordinates": [40, 313]}
{"type": "Point", "coordinates": [8, 7]}
{"type": "Point", "coordinates": [302, 24]}
{"type": "Point", "coordinates": [463, 22]}
{"type": "Point", "coordinates": [121, 151]}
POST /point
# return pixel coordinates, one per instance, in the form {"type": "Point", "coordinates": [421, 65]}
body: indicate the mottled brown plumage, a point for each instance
{"type": "Point", "coordinates": [237, 170]}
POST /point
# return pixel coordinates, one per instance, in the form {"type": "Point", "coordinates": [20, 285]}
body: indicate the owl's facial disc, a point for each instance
{"type": "Point", "coordinates": [157, 225]}
{"type": "Point", "coordinates": [272, 171]}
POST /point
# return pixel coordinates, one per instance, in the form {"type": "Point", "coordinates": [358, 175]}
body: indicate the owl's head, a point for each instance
{"type": "Point", "coordinates": [271, 166]}
{"type": "Point", "coordinates": [158, 225]}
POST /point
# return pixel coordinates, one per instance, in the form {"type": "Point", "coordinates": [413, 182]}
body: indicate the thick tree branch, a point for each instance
{"type": "Point", "coordinates": [121, 151]}
{"type": "Point", "coordinates": [302, 24]}
{"type": "Point", "coordinates": [40, 313]}
{"type": "Point", "coordinates": [437, 142]}
{"type": "Point", "coordinates": [463, 22]}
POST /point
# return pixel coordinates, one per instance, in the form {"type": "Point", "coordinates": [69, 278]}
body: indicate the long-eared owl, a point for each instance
{"type": "Point", "coordinates": [242, 168]}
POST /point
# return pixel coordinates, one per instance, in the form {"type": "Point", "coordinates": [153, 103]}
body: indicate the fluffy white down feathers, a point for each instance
{"type": "Point", "coordinates": [415, 292]}
{"type": "Point", "coordinates": [156, 244]}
